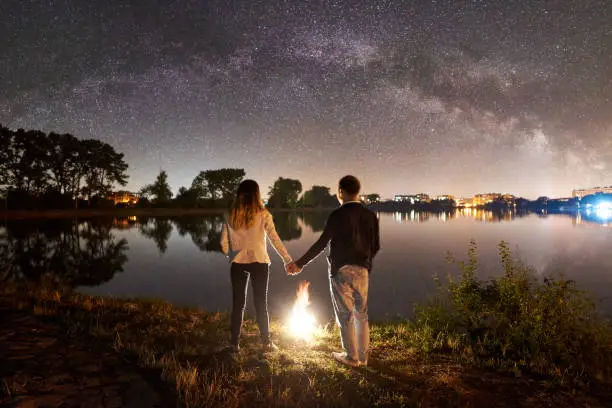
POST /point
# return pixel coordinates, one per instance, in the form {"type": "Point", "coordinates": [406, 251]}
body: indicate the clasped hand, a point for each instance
{"type": "Point", "coordinates": [292, 269]}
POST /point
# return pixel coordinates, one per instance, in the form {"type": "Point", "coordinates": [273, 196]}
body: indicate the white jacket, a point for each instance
{"type": "Point", "coordinates": [250, 244]}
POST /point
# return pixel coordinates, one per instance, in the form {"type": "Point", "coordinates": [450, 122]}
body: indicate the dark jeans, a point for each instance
{"type": "Point", "coordinates": [240, 279]}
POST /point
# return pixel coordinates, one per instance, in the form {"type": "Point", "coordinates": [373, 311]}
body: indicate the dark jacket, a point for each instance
{"type": "Point", "coordinates": [352, 231]}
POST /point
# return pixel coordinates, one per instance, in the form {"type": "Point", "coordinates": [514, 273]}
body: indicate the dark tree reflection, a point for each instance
{"type": "Point", "coordinates": [103, 256]}
{"type": "Point", "coordinates": [158, 229]}
{"type": "Point", "coordinates": [315, 219]}
{"type": "Point", "coordinates": [287, 225]}
{"type": "Point", "coordinates": [64, 252]}
{"type": "Point", "coordinates": [205, 232]}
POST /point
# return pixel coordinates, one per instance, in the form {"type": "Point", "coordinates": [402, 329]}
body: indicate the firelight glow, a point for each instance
{"type": "Point", "coordinates": [302, 323]}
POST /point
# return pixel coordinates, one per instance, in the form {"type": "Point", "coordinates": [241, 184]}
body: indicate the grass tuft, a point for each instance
{"type": "Point", "coordinates": [515, 322]}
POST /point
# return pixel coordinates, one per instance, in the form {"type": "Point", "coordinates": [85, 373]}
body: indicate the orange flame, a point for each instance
{"type": "Point", "coordinates": [302, 323]}
{"type": "Point", "coordinates": [303, 297]}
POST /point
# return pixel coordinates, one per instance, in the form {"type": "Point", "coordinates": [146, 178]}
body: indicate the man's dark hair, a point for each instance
{"type": "Point", "coordinates": [350, 184]}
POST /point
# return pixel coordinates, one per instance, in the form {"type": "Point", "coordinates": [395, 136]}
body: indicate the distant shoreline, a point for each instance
{"type": "Point", "coordinates": [177, 212]}
{"type": "Point", "coordinates": [118, 212]}
{"type": "Point", "coordinates": [126, 212]}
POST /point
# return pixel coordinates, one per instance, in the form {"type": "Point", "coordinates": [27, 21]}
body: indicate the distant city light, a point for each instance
{"type": "Point", "coordinates": [604, 210]}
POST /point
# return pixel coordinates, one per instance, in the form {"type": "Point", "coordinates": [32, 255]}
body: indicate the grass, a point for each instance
{"type": "Point", "coordinates": [457, 351]}
{"type": "Point", "coordinates": [516, 322]}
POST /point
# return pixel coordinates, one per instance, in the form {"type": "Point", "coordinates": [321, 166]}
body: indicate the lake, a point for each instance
{"type": "Point", "coordinates": [178, 258]}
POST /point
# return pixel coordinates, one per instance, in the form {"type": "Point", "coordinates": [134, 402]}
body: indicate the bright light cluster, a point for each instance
{"type": "Point", "coordinates": [604, 210]}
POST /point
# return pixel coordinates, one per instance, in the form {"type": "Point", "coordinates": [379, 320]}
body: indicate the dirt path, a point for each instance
{"type": "Point", "coordinates": [43, 366]}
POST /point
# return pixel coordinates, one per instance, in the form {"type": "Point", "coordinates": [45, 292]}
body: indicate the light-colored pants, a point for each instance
{"type": "Point", "coordinates": [349, 289]}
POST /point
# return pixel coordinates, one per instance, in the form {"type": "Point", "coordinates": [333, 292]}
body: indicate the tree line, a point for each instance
{"type": "Point", "coordinates": [52, 170]}
{"type": "Point", "coordinates": [217, 188]}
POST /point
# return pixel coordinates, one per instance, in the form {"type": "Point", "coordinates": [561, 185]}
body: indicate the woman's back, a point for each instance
{"type": "Point", "coordinates": [250, 244]}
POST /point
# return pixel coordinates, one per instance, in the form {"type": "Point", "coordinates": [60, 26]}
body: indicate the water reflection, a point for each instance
{"type": "Point", "coordinates": [315, 220]}
{"type": "Point", "coordinates": [592, 218]}
{"type": "Point", "coordinates": [205, 233]}
{"type": "Point", "coordinates": [158, 229]}
{"type": "Point", "coordinates": [92, 252]}
{"type": "Point", "coordinates": [66, 252]}
{"type": "Point", "coordinates": [88, 253]}
{"type": "Point", "coordinates": [287, 225]}
{"type": "Point", "coordinates": [477, 214]}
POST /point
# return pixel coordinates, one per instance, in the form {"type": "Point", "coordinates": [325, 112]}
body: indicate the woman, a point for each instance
{"type": "Point", "coordinates": [249, 224]}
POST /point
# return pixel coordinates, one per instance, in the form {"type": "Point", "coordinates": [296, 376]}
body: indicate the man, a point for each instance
{"type": "Point", "coordinates": [352, 231]}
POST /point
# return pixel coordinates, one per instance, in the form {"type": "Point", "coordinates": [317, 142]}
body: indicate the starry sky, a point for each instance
{"type": "Point", "coordinates": [453, 97]}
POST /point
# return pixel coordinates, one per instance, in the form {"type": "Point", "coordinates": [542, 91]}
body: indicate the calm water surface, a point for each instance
{"type": "Point", "coordinates": [179, 259]}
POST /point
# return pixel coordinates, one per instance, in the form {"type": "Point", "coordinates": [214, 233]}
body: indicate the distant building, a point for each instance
{"type": "Point", "coordinates": [370, 198]}
{"type": "Point", "coordinates": [124, 197]}
{"type": "Point", "coordinates": [423, 197]}
{"type": "Point", "coordinates": [482, 199]}
{"type": "Point", "coordinates": [464, 202]}
{"type": "Point", "coordinates": [590, 191]}
{"type": "Point", "coordinates": [411, 198]}
{"type": "Point", "coordinates": [403, 198]}
{"type": "Point", "coordinates": [444, 197]}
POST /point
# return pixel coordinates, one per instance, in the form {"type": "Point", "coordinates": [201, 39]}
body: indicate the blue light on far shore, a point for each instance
{"type": "Point", "coordinates": [604, 210]}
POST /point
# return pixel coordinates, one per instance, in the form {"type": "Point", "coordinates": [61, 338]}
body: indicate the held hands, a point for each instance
{"type": "Point", "coordinates": [292, 269]}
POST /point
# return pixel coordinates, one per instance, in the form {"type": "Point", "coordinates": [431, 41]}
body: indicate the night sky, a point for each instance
{"type": "Point", "coordinates": [451, 97]}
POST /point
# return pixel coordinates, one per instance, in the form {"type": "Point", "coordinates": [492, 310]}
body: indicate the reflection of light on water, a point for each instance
{"type": "Point", "coordinates": [397, 216]}
{"type": "Point", "coordinates": [412, 216]}
{"type": "Point", "coordinates": [578, 219]}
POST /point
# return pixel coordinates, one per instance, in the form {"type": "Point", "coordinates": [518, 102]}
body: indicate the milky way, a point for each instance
{"type": "Point", "coordinates": [424, 96]}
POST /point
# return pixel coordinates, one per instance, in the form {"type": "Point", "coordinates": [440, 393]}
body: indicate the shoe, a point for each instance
{"type": "Point", "coordinates": [344, 359]}
{"type": "Point", "coordinates": [269, 346]}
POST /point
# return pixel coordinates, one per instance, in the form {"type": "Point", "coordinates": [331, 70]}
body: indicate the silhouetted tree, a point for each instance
{"type": "Point", "coordinates": [50, 170]}
{"type": "Point", "coordinates": [199, 186]}
{"type": "Point", "coordinates": [102, 168]}
{"type": "Point", "coordinates": [159, 190]}
{"type": "Point", "coordinates": [64, 162]}
{"type": "Point", "coordinates": [5, 146]}
{"type": "Point", "coordinates": [27, 156]}
{"type": "Point", "coordinates": [218, 185]}
{"type": "Point", "coordinates": [284, 193]}
{"type": "Point", "coordinates": [186, 198]}
{"type": "Point", "coordinates": [318, 197]}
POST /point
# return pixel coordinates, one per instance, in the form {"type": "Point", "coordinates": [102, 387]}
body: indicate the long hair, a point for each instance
{"type": "Point", "coordinates": [246, 205]}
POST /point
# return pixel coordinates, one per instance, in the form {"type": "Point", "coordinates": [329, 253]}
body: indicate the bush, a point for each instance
{"type": "Point", "coordinates": [516, 322]}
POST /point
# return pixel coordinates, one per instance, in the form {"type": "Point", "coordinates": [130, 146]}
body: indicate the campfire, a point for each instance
{"type": "Point", "coordinates": [302, 323]}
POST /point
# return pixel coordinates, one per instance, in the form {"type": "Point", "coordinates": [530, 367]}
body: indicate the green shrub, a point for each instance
{"type": "Point", "coordinates": [516, 322]}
